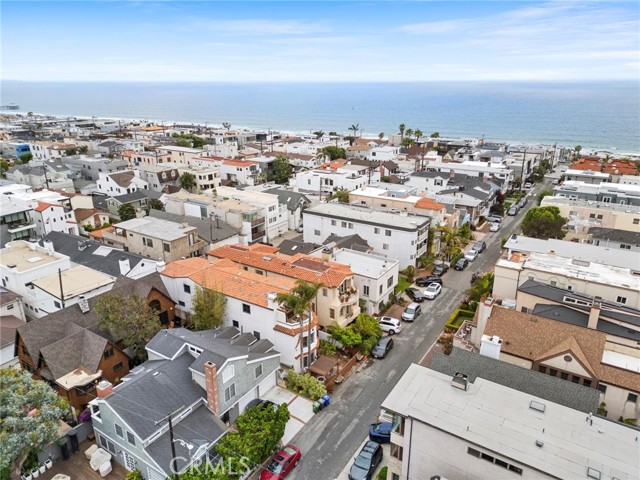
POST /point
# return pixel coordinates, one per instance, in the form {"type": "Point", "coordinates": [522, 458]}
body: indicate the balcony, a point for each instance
{"type": "Point", "coordinates": [348, 296]}
{"type": "Point", "coordinates": [257, 234]}
{"type": "Point", "coordinates": [292, 322]}
{"type": "Point", "coordinates": [257, 222]}
{"type": "Point", "coordinates": [20, 226]}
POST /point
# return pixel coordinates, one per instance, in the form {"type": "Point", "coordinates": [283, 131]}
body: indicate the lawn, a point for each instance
{"type": "Point", "coordinates": [403, 283]}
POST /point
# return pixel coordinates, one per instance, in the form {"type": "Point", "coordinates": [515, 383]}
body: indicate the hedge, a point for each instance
{"type": "Point", "coordinates": [457, 317]}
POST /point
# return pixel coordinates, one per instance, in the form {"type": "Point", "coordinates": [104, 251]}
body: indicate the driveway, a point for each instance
{"type": "Point", "coordinates": [300, 409]}
{"type": "Point", "coordinates": [331, 438]}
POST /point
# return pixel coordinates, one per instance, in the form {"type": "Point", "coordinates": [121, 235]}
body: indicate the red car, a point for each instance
{"type": "Point", "coordinates": [282, 463]}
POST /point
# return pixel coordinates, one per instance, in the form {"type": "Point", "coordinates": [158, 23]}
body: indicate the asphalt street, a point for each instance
{"type": "Point", "coordinates": [330, 440]}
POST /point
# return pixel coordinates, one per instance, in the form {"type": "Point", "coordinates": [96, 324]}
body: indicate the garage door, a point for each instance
{"type": "Point", "coordinates": [153, 475]}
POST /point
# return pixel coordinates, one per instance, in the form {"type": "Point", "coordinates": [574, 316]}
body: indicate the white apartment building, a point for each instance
{"type": "Point", "coordinates": [586, 176]}
{"type": "Point", "coordinates": [448, 427]}
{"type": "Point", "coordinates": [396, 235]}
{"type": "Point", "coordinates": [222, 147]}
{"type": "Point", "coordinates": [348, 177]}
{"type": "Point", "coordinates": [54, 217]}
{"type": "Point", "coordinates": [120, 183]}
{"type": "Point", "coordinates": [376, 277]}
{"type": "Point", "coordinates": [11, 317]}
{"type": "Point", "coordinates": [147, 158]}
{"type": "Point", "coordinates": [475, 169]}
{"type": "Point", "coordinates": [384, 153]}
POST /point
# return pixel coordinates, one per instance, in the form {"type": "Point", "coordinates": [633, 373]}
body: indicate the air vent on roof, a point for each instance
{"type": "Point", "coordinates": [83, 303]}
{"type": "Point", "coordinates": [266, 259]}
{"type": "Point", "coordinates": [459, 380]}
{"type": "Point", "coordinates": [534, 405]}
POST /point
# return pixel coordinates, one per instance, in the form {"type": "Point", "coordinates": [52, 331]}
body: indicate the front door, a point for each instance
{"type": "Point", "coordinates": [129, 462]}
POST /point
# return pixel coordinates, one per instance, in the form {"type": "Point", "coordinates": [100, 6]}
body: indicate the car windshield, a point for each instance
{"type": "Point", "coordinates": [409, 310]}
{"type": "Point", "coordinates": [274, 466]}
{"type": "Point", "coordinates": [432, 288]}
{"type": "Point", "coordinates": [363, 461]}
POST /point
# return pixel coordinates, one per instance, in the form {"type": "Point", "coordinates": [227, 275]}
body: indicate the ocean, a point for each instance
{"type": "Point", "coordinates": [599, 116]}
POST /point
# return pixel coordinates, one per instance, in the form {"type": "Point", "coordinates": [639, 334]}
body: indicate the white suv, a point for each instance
{"type": "Point", "coordinates": [390, 325]}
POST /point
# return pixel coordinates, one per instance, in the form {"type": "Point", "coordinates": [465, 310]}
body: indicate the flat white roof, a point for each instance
{"type": "Point", "coordinates": [586, 173]}
{"type": "Point", "coordinates": [75, 281]}
{"type": "Point", "coordinates": [500, 419]}
{"type": "Point", "coordinates": [578, 251]}
{"type": "Point", "coordinates": [592, 204]}
{"type": "Point", "coordinates": [26, 256]}
{"type": "Point", "coordinates": [156, 228]}
{"type": "Point", "coordinates": [369, 215]}
{"type": "Point", "coordinates": [364, 264]}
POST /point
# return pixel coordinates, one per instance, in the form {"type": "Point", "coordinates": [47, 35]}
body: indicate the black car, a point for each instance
{"type": "Point", "coordinates": [440, 270]}
{"type": "Point", "coordinates": [366, 462]}
{"type": "Point", "coordinates": [258, 402]}
{"type": "Point", "coordinates": [426, 281]}
{"type": "Point", "coordinates": [415, 294]}
{"type": "Point", "coordinates": [479, 246]}
{"type": "Point", "coordinates": [382, 347]}
{"type": "Point", "coordinates": [461, 264]}
{"type": "Point", "coordinates": [380, 432]}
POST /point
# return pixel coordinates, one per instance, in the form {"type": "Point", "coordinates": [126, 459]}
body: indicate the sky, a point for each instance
{"type": "Point", "coordinates": [330, 41]}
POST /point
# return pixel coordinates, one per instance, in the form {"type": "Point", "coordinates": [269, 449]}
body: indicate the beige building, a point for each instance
{"type": "Point", "coordinates": [337, 301]}
{"type": "Point", "coordinates": [584, 214]}
{"type": "Point", "coordinates": [154, 238]}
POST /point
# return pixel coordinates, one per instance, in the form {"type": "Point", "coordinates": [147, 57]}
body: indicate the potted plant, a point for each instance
{"type": "Point", "coordinates": [48, 463]}
{"type": "Point", "coordinates": [42, 468]}
{"type": "Point", "coordinates": [35, 473]}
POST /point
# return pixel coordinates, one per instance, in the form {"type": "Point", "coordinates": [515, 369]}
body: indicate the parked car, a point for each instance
{"type": "Point", "coordinates": [433, 291]}
{"type": "Point", "coordinates": [426, 281]}
{"type": "Point", "coordinates": [412, 312]}
{"type": "Point", "coordinates": [380, 432]}
{"type": "Point", "coordinates": [384, 346]}
{"type": "Point", "coordinates": [282, 463]}
{"type": "Point", "coordinates": [366, 462]}
{"type": "Point", "coordinates": [258, 402]}
{"type": "Point", "coordinates": [440, 270]}
{"type": "Point", "coordinates": [471, 255]}
{"type": "Point", "coordinates": [300, 229]}
{"type": "Point", "coordinates": [415, 294]}
{"type": "Point", "coordinates": [494, 227]}
{"type": "Point", "coordinates": [522, 202]}
{"type": "Point", "coordinates": [494, 219]}
{"type": "Point", "coordinates": [461, 264]}
{"type": "Point", "coordinates": [555, 181]}
{"type": "Point", "coordinates": [513, 211]}
{"type": "Point", "coordinates": [390, 325]}
{"type": "Point", "coordinates": [527, 185]}
{"type": "Point", "coordinates": [479, 246]}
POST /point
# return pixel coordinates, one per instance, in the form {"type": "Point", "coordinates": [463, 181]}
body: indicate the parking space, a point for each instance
{"type": "Point", "coordinates": [300, 409]}
{"type": "Point", "coordinates": [386, 449]}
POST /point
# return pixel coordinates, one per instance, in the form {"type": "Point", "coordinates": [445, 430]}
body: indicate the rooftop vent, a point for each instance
{"type": "Point", "coordinates": [539, 406]}
{"type": "Point", "coordinates": [83, 303]}
{"type": "Point", "coordinates": [460, 380]}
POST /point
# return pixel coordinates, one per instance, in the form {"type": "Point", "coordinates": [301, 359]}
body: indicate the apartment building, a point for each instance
{"type": "Point", "coordinates": [346, 177]}
{"type": "Point", "coordinates": [155, 238]}
{"type": "Point", "coordinates": [448, 427]}
{"type": "Point", "coordinates": [622, 194]}
{"type": "Point", "coordinates": [136, 159]}
{"type": "Point", "coordinates": [205, 177]}
{"type": "Point", "coordinates": [397, 235]}
{"type": "Point", "coordinates": [90, 167]}
{"type": "Point", "coordinates": [159, 176]}
{"type": "Point", "coordinates": [183, 155]}
{"type": "Point", "coordinates": [16, 222]}
{"type": "Point", "coordinates": [120, 183]}
{"type": "Point", "coordinates": [54, 217]}
{"type": "Point", "coordinates": [337, 301]}
{"type": "Point", "coordinates": [251, 305]}
{"type": "Point", "coordinates": [586, 176]}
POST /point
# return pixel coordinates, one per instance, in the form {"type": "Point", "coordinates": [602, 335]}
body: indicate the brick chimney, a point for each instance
{"type": "Point", "coordinates": [594, 314]}
{"type": "Point", "coordinates": [104, 389]}
{"type": "Point", "coordinates": [211, 382]}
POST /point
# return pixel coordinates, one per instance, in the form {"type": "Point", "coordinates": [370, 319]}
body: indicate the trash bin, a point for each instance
{"type": "Point", "coordinates": [326, 400]}
{"type": "Point", "coordinates": [317, 406]}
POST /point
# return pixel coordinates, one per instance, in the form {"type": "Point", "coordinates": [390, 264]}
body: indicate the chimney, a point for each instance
{"type": "Point", "coordinates": [104, 389]}
{"type": "Point", "coordinates": [160, 266]}
{"type": "Point", "coordinates": [271, 301]}
{"type": "Point", "coordinates": [125, 266]}
{"type": "Point", "coordinates": [211, 382]}
{"type": "Point", "coordinates": [48, 246]}
{"type": "Point", "coordinates": [490, 346]}
{"type": "Point", "coordinates": [326, 254]}
{"type": "Point", "coordinates": [484, 312]}
{"type": "Point", "coordinates": [460, 380]}
{"type": "Point", "coordinates": [594, 313]}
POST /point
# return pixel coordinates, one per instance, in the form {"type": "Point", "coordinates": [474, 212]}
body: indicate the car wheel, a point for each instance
{"type": "Point", "coordinates": [391, 332]}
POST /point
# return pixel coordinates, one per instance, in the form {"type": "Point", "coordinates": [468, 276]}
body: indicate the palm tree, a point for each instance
{"type": "Point", "coordinates": [401, 128]}
{"type": "Point", "coordinates": [409, 132]}
{"type": "Point", "coordinates": [298, 300]}
{"type": "Point", "coordinates": [319, 134]}
{"type": "Point", "coordinates": [381, 135]}
{"type": "Point", "coordinates": [418, 134]}
{"type": "Point", "coordinates": [354, 128]}
{"type": "Point", "coordinates": [227, 126]}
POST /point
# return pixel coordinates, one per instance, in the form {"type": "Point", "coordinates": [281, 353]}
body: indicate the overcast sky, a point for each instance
{"type": "Point", "coordinates": [319, 41]}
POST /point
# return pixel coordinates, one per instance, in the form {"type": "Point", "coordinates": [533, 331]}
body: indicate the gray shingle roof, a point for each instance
{"type": "Point", "coordinates": [553, 389]}
{"type": "Point", "coordinates": [211, 231]}
{"type": "Point", "coordinates": [291, 199]}
{"type": "Point", "coordinates": [352, 242]}
{"type": "Point", "coordinates": [622, 236]}
{"type": "Point", "coordinates": [291, 247]}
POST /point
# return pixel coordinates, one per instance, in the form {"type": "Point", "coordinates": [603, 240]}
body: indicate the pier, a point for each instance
{"type": "Point", "coordinates": [11, 106]}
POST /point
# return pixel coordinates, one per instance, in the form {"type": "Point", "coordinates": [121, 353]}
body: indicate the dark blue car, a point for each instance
{"type": "Point", "coordinates": [380, 432]}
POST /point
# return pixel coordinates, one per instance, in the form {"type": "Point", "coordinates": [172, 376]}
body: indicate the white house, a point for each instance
{"type": "Point", "coordinates": [120, 183]}
{"type": "Point", "coordinates": [11, 317]}
{"type": "Point", "coordinates": [54, 217]}
{"type": "Point", "coordinates": [396, 235]}
{"type": "Point", "coordinates": [384, 153]}
{"type": "Point", "coordinates": [348, 177]}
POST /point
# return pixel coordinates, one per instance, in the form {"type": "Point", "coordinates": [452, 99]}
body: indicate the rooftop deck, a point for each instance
{"type": "Point", "coordinates": [78, 468]}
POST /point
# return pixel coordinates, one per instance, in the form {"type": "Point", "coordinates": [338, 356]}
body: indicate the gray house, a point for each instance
{"type": "Point", "coordinates": [203, 379]}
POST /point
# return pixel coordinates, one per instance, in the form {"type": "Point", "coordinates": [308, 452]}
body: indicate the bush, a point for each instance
{"type": "Point", "coordinates": [134, 475]}
{"type": "Point", "coordinates": [328, 348]}
{"type": "Point", "coordinates": [305, 385]}
{"type": "Point", "coordinates": [382, 474]}
{"type": "Point", "coordinates": [457, 317]}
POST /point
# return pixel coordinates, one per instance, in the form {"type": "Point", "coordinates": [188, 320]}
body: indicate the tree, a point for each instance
{"type": "Point", "coordinates": [208, 309]}
{"type": "Point", "coordinates": [334, 152]}
{"type": "Point", "coordinates": [401, 128]}
{"type": "Point", "coordinates": [370, 331]}
{"type": "Point", "coordinates": [281, 170]}
{"type": "Point", "coordinates": [4, 166]}
{"type": "Point", "coordinates": [354, 128]}
{"type": "Point", "coordinates": [342, 194]}
{"type": "Point", "coordinates": [26, 157]}
{"type": "Point", "coordinates": [29, 414]}
{"type": "Point", "coordinates": [435, 135]}
{"type": "Point", "coordinates": [128, 316]}
{"type": "Point", "coordinates": [481, 287]}
{"type": "Point", "coordinates": [298, 300]}
{"type": "Point", "coordinates": [381, 135]}
{"type": "Point", "coordinates": [418, 134]}
{"type": "Point", "coordinates": [577, 149]}
{"type": "Point", "coordinates": [319, 134]}
{"type": "Point", "coordinates": [126, 212]}
{"type": "Point", "coordinates": [183, 142]}
{"type": "Point", "coordinates": [227, 126]}
{"type": "Point", "coordinates": [544, 223]}
{"type": "Point", "coordinates": [156, 204]}
{"type": "Point", "coordinates": [187, 180]}
{"type": "Point", "coordinates": [408, 133]}
{"type": "Point", "coordinates": [547, 192]}
{"type": "Point", "coordinates": [83, 149]}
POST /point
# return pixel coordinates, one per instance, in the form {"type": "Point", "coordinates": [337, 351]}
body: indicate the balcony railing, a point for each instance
{"type": "Point", "coordinates": [257, 221]}
{"type": "Point", "coordinates": [257, 234]}
{"type": "Point", "coordinates": [292, 320]}
{"type": "Point", "coordinates": [19, 227]}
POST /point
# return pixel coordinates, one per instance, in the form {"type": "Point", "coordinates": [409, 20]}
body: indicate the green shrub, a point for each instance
{"type": "Point", "coordinates": [328, 348]}
{"type": "Point", "coordinates": [382, 474]}
{"type": "Point", "coordinates": [305, 384]}
{"type": "Point", "coordinates": [134, 475]}
{"type": "Point", "coordinates": [457, 318]}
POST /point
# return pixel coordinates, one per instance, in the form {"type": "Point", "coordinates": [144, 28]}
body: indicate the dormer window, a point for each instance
{"type": "Point", "coordinates": [195, 351]}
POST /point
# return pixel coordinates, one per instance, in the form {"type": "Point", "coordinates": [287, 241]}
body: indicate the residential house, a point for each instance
{"type": "Point", "coordinates": [120, 183]}
{"type": "Point", "coordinates": [155, 158]}
{"type": "Point", "coordinates": [37, 177]}
{"type": "Point", "coordinates": [615, 239]}
{"type": "Point", "coordinates": [295, 204]}
{"type": "Point", "coordinates": [501, 175]}
{"type": "Point", "coordinates": [159, 176]}
{"type": "Point", "coordinates": [154, 238]}
{"type": "Point", "coordinates": [91, 166]}
{"type": "Point", "coordinates": [619, 193]}
{"type": "Point", "coordinates": [213, 231]}
{"type": "Point", "coordinates": [338, 298]}
{"type": "Point", "coordinates": [396, 235]}
{"type": "Point", "coordinates": [200, 379]}
{"type": "Point", "coordinates": [251, 305]}
{"type": "Point", "coordinates": [565, 349]}
{"type": "Point", "coordinates": [15, 221]}
{"type": "Point", "coordinates": [333, 178]}
{"type": "Point", "coordinates": [139, 200]}
{"type": "Point", "coordinates": [475, 200]}
{"type": "Point", "coordinates": [54, 217]}
{"type": "Point", "coordinates": [90, 218]}
{"type": "Point", "coordinates": [183, 155]}
{"type": "Point", "coordinates": [384, 153]}
{"type": "Point", "coordinates": [465, 425]}
{"type": "Point", "coordinates": [11, 317]}
{"type": "Point", "coordinates": [586, 176]}
{"type": "Point", "coordinates": [238, 172]}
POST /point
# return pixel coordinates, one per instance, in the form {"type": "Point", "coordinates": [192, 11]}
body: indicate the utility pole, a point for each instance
{"type": "Point", "coordinates": [61, 290]}
{"type": "Point", "coordinates": [173, 447]}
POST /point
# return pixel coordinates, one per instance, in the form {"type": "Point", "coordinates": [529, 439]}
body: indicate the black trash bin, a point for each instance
{"type": "Point", "coordinates": [73, 438]}
{"type": "Point", "coordinates": [64, 450]}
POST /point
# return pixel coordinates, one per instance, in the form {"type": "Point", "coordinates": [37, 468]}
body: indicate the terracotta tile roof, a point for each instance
{"type": "Point", "coordinates": [239, 163]}
{"type": "Point", "coordinates": [621, 167]}
{"type": "Point", "coordinates": [299, 266]}
{"type": "Point", "coordinates": [586, 164]}
{"type": "Point", "coordinates": [84, 213]}
{"type": "Point", "coordinates": [186, 267]}
{"type": "Point", "coordinates": [42, 206]}
{"type": "Point", "coordinates": [429, 204]}
{"type": "Point", "coordinates": [98, 233]}
{"type": "Point", "coordinates": [536, 338]}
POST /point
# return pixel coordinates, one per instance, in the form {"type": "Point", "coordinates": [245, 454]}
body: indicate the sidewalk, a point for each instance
{"type": "Point", "coordinates": [300, 409]}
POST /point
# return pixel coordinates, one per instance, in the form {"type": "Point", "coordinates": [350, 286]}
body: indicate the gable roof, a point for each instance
{"type": "Point", "coordinates": [291, 199]}
{"type": "Point", "coordinates": [352, 242]}
{"type": "Point", "coordinates": [123, 179]}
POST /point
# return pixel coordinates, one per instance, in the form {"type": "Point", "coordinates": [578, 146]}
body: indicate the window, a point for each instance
{"type": "Point", "coordinates": [365, 290]}
{"type": "Point", "coordinates": [333, 223]}
{"type": "Point", "coordinates": [229, 392]}
{"type": "Point", "coordinates": [117, 366]}
{"type": "Point", "coordinates": [131, 439]}
{"type": "Point", "coordinates": [376, 230]}
{"type": "Point", "coordinates": [395, 476]}
{"type": "Point", "coordinates": [258, 371]}
{"type": "Point", "coordinates": [181, 303]}
{"type": "Point", "coordinates": [385, 246]}
{"type": "Point", "coordinates": [575, 379]}
{"type": "Point", "coordinates": [316, 233]}
{"type": "Point", "coordinates": [380, 290]}
{"type": "Point", "coordinates": [246, 308]}
{"type": "Point", "coordinates": [187, 288]}
{"type": "Point", "coordinates": [396, 451]}
{"type": "Point", "coordinates": [119, 431]}
{"type": "Point", "coordinates": [632, 397]}
{"type": "Point", "coordinates": [343, 224]}
{"type": "Point", "coordinates": [624, 246]}
{"type": "Point", "coordinates": [167, 247]}
{"type": "Point", "coordinates": [602, 388]}
{"type": "Point", "coordinates": [389, 281]}
{"type": "Point", "coordinates": [387, 233]}
{"type": "Point", "coordinates": [496, 461]}
{"type": "Point", "coordinates": [147, 242]}
{"type": "Point", "coordinates": [57, 304]}
{"type": "Point", "coordinates": [228, 373]}
{"type": "Point", "coordinates": [622, 300]}
{"type": "Point", "coordinates": [636, 221]}
{"type": "Point", "coordinates": [586, 383]}
{"type": "Point", "coordinates": [235, 323]}
{"type": "Point", "coordinates": [324, 292]}
{"type": "Point", "coordinates": [108, 353]}
{"type": "Point", "coordinates": [593, 473]}
{"type": "Point", "coordinates": [564, 376]}
{"type": "Point", "coordinates": [305, 342]}
{"type": "Point", "coordinates": [542, 369]}
{"type": "Point", "coordinates": [332, 313]}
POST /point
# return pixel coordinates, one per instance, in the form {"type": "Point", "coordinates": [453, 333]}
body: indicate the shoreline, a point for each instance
{"type": "Point", "coordinates": [587, 149]}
